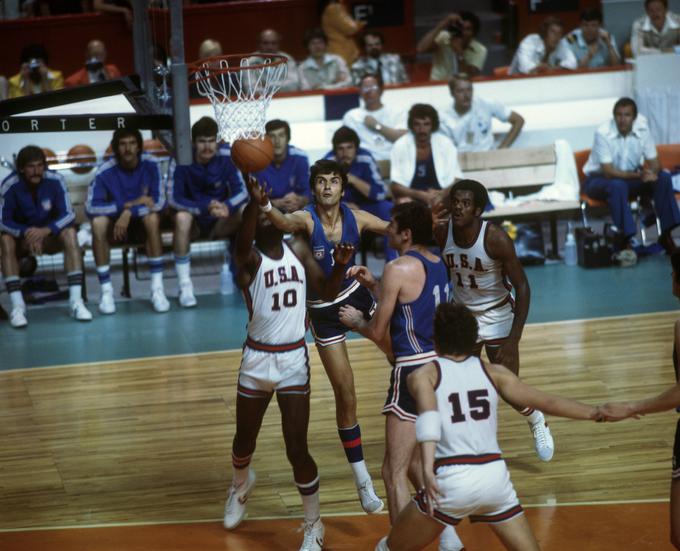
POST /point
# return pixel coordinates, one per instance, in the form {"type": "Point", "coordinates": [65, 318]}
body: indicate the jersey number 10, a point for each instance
{"type": "Point", "coordinates": [289, 299]}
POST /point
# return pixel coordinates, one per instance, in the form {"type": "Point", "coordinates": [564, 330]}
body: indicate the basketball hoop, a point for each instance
{"type": "Point", "coordinates": [240, 88]}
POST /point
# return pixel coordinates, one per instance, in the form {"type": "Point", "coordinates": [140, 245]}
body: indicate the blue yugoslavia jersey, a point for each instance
{"type": "Point", "coordinates": [411, 327]}
{"type": "Point", "coordinates": [323, 248]}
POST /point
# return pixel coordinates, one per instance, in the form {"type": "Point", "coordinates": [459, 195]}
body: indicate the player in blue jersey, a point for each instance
{"type": "Point", "coordinates": [208, 196]}
{"type": "Point", "coordinates": [328, 221]}
{"type": "Point", "coordinates": [366, 188]}
{"type": "Point", "coordinates": [36, 217]}
{"type": "Point", "coordinates": [124, 203]}
{"type": "Point", "coordinates": [288, 174]}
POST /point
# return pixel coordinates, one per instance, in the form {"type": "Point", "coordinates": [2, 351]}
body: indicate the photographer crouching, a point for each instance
{"type": "Point", "coordinates": [96, 69]}
{"type": "Point", "coordinates": [34, 76]}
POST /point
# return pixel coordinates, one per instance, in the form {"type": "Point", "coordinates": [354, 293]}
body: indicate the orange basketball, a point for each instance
{"type": "Point", "coordinates": [50, 155]}
{"type": "Point", "coordinates": [252, 155]}
{"type": "Point", "coordinates": [83, 157]}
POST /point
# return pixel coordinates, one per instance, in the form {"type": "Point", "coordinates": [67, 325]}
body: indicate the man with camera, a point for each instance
{"type": "Point", "coordinates": [34, 76]}
{"type": "Point", "coordinates": [455, 48]}
{"type": "Point", "coordinates": [95, 69]}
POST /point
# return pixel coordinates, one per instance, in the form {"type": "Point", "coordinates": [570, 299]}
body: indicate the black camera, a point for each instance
{"type": "Point", "coordinates": [455, 30]}
{"type": "Point", "coordinates": [34, 65]}
{"type": "Point", "coordinates": [93, 65]}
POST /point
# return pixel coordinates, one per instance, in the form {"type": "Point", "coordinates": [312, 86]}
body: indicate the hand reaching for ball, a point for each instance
{"type": "Point", "coordinates": [257, 191]}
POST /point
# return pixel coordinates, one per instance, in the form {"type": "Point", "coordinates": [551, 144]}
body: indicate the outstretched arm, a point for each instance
{"type": "Point", "coordinates": [289, 223]}
{"type": "Point", "coordinates": [516, 392]}
{"type": "Point", "coordinates": [245, 256]}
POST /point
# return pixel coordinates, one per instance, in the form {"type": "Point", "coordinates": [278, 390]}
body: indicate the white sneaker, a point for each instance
{"type": "Point", "coordinates": [370, 502]}
{"type": "Point", "coordinates": [313, 538]}
{"type": "Point", "coordinates": [159, 301]}
{"type": "Point", "coordinates": [449, 540]}
{"type": "Point", "coordinates": [80, 312]}
{"type": "Point", "coordinates": [17, 317]}
{"type": "Point", "coordinates": [543, 440]}
{"type": "Point", "coordinates": [235, 508]}
{"type": "Point", "coordinates": [382, 545]}
{"type": "Point", "coordinates": [106, 303]}
{"type": "Point", "coordinates": [186, 295]}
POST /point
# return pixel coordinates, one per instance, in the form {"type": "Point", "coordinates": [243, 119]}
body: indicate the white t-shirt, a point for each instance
{"type": "Point", "coordinates": [472, 131]}
{"type": "Point", "coordinates": [531, 51]}
{"type": "Point", "coordinates": [624, 152]}
{"type": "Point", "coordinates": [375, 142]}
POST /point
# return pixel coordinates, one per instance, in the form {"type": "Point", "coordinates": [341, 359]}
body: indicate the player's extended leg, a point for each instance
{"type": "Point", "coordinates": [249, 414]}
{"type": "Point", "coordinates": [73, 262]}
{"type": "Point", "coordinates": [543, 440]}
{"type": "Point", "coordinates": [516, 534]}
{"type": "Point", "coordinates": [336, 363]}
{"type": "Point", "coordinates": [400, 441]}
{"type": "Point", "coordinates": [10, 272]}
{"type": "Point", "coordinates": [294, 422]}
{"type": "Point", "coordinates": [181, 246]}
{"type": "Point", "coordinates": [675, 512]}
{"type": "Point", "coordinates": [102, 253]}
{"type": "Point", "coordinates": [412, 530]}
{"type": "Point", "coordinates": [154, 251]}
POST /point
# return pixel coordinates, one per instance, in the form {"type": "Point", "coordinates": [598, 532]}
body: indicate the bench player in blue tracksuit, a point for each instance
{"type": "Point", "coordinates": [36, 217]}
{"type": "Point", "coordinates": [124, 202]}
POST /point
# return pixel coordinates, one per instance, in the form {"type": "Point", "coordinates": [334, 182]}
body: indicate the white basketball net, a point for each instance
{"type": "Point", "coordinates": [242, 95]}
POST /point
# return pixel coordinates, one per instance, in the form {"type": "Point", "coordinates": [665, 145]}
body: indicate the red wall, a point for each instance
{"type": "Point", "coordinates": [234, 24]}
{"type": "Point", "coordinates": [528, 23]}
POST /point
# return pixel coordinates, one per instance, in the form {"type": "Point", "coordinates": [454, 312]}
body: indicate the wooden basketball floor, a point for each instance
{"type": "Point", "coordinates": [135, 455]}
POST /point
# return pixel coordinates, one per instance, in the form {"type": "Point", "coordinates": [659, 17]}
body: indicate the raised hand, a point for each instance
{"type": "Point", "coordinates": [440, 214]}
{"type": "Point", "coordinates": [343, 253]}
{"type": "Point", "coordinates": [362, 274]}
{"type": "Point", "coordinates": [257, 191]}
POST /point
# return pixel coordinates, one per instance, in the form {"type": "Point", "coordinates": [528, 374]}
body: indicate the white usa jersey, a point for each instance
{"type": "Point", "coordinates": [467, 401]}
{"type": "Point", "coordinates": [477, 280]}
{"type": "Point", "coordinates": [276, 302]}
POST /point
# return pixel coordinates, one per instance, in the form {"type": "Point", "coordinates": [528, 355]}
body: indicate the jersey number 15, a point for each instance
{"type": "Point", "coordinates": [479, 406]}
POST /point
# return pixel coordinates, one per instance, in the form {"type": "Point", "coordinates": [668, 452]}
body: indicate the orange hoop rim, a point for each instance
{"type": "Point", "coordinates": [233, 64]}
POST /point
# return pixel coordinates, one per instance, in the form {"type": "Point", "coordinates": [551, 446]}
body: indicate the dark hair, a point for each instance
{"type": "Point", "coordinates": [34, 51]}
{"type": "Point", "coordinates": [547, 23]}
{"type": "Point", "coordinates": [29, 154]}
{"type": "Point", "coordinates": [481, 196]}
{"type": "Point", "coordinates": [121, 133]}
{"type": "Point", "coordinates": [462, 77]}
{"type": "Point", "coordinates": [455, 329]}
{"type": "Point", "coordinates": [344, 135]}
{"type": "Point", "coordinates": [414, 216]}
{"type": "Point", "coordinates": [327, 166]}
{"type": "Point", "coordinates": [276, 124]}
{"type": "Point", "coordinates": [371, 32]}
{"type": "Point", "coordinates": [592, 14]}
{"type": "Point", "coordinates": [472, 18]}
{"type": "Point", "coordinates": [675, 263]}
{"type": "Point", "coordinates": [311, 34]}
{"type": "Point", "coordinates": [423, 111]}
{"type": "Point", "coordinates": [625, 102]}
{"type": "Point", "coordinates": [664, 2]}
{"type": "Point", "coordinates": [205, 127]}
{"type": "Point", "coordinates": [378, 77]}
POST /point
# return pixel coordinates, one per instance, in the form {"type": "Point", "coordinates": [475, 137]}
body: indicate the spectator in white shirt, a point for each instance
{"type": "Point", "coordinates": [624, 163]}
{"type": "Point", "coordinates": [468, 122]}
{"type": "Point", "coordinates": [377, 125]}
{"type": "Point", "coordinates": [657, 31]}
{"type": "Point", "coordinates": [543, 52]}
{"type": "Point", "coordinates": [269, 42]}
{"type": "Point", "coordinates": [424, 162]}
{"type": "Point", "coordinates": [321, 70]}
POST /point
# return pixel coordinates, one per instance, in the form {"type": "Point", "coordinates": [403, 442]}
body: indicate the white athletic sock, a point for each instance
{"type": "Point", "coordinates": [75, 293]}
{"type": "Point", "coordinates": [310, 499]}
{"type": "Point", "coordinates": [183, 269]}
{"type": "Point", "coordinates": [156, 281]}
{"type": "Point", "coordinates": [107, 288]}
{"type": "Point", "coordinates": [360, 472]}
{"type": "Point", "coordinates": [239, 476]}
{"type": "Point", "coordinates": [13, 286]}
{"type": "Point", "coordinates": [17, 299]}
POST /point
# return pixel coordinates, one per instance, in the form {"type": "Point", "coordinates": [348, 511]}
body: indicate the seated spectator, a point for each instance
{"type": "Point", "coordinates": [269, 43]}
{"type": "Point", "coordinates": [287, 176]}
{"type": "Point", "coordinates": [208, 195]}
{"type": "Point", "coordinates": [657, 31]}
{"type": "Point", "coordinates": [624, 163]}
{"type": "Point", "coordinates": [455, 47]}
{"type": "Point", "coordinates": [543, 52]}
{"type": "Point", "coordinates": [469, 121]}
{"type": "Point", "coordinates": [591, 44]}
{"type": "Point", "coordinates": [119, 7]}
{"type": "Point", "coordinates": [340, 28]}
{"type": "Point", "coordinates": [388, 66]}
{"type": "Point", "coordinates": [377, 125]}
{"type": "Point", "coordinates": [34, 76]}
{"type": "Point", "coordinates": [321, 70]}
{"type": "Point", "coordinates": [209, 48]}
{"type": "Point", "coordinates": [124, 204]}
{"type": "Point", "coordinates": [95, 69]}
{"type": "Point", "coordinates": [424, 162]}
{"type": "Point", "coordinates": [36, 218]}
{"type": "Point", "coordinates": [365, 187]}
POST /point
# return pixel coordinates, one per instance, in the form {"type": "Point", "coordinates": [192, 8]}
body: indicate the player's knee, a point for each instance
{"type": "Point", "coordinates": [297, 452]}
{"type": "Point", "coordinates": [151, 221]}
{"type": "Point", "coordinates": [183, 221]}
{"type": "Point", "coordinates": [68, 237]}
{"type": "Point", "coordinates": [100, 225]}
{"type": "Point", "coordinates": [9, 244]}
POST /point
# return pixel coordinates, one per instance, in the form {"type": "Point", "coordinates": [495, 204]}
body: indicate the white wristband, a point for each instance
{"type": "Point", "coordinates": [267, 207]}
{"type": "Point", "coordinates": [428, 427]}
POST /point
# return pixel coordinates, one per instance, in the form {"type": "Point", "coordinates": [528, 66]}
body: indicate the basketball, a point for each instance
{"type": "Point", "coordinates": [83, 156]}
{"type": "Point", "coordinates": [252, 155]}
{"type": "Point", "coordinates": [50, 156]}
